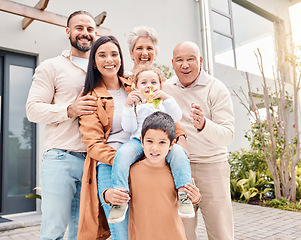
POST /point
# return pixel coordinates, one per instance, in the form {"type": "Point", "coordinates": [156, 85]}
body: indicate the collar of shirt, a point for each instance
{"type": "Point", "coordinates": [200, 81]}
{"type": "Point", "coordinates": [68, 54]}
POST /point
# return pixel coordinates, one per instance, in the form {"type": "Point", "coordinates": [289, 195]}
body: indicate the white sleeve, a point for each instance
{"type": "Point", "coordinates": [129, 119]}
{"type": "Point", "coordinates": [172, 108]}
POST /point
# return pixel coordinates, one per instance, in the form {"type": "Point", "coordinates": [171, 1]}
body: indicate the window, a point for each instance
{"type": "Point", "coordinates": [253, 32]}
{"type": "Point", "coordinates": [238, 34]}
{"type": "Point", "coordinates": [221, 5]}
{"type": "Point", "coordinates": [223, 33]}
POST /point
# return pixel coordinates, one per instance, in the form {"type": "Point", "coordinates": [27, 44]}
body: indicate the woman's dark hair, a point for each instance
{"type": "Point", "coordinates": [93, 76]}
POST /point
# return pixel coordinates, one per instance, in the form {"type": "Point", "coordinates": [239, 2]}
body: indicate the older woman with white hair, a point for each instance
{"type": "Point", "coordinates": [143, 46]}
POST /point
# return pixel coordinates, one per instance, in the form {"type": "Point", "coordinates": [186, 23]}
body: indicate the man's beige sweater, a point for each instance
{"type": "Point", "coordinates": [56, 84]}
{"type": "Point", "coordinates": [210, 144]}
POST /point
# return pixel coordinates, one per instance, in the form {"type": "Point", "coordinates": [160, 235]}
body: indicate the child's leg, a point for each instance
{"type": "Point", "coordinates": [181, 172]}
{"type": "Point", "coordinates": [179, 165]}
{"type": "Point", "coordinates": [129, 153]}
{"type": "Point", "coordinates": [119, 231]}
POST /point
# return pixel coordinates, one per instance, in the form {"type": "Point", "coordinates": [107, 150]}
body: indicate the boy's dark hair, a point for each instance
{"type": "Point", "coordinates": [161, 121]}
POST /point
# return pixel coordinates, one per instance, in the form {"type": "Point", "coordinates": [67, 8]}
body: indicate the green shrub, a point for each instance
{"type": "Point", "coordinates": [277, 203]}
{"type": "Point", "coordinates": [168, 71]}
{"type": "Point", "coordinates": [298, 179]}
{"type": "Point", "coordinates": [253, 186]}
{"type": "Point", "coordinates": [250, 177]}
{"type": "Point", "coordinates": [241, 162]}
{"type": "Point", "coordinates": [283, 204]}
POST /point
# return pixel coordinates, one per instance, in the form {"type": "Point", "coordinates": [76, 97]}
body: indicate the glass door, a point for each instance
{"type": "Point", "coordinates": [18, 147]}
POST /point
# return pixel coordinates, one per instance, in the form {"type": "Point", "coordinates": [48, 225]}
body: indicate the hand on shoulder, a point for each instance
{"type": "Point", "coordinates": [83, 105]}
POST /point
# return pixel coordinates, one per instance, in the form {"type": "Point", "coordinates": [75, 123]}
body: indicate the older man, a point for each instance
{"type": "Point", "coordinates": [209, 123]}
{"type": "Point", "coordinates": [53, 100]}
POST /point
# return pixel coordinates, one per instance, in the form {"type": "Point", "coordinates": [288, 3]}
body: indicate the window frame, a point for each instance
{"type": "Point", "coordinates": [276, 21]}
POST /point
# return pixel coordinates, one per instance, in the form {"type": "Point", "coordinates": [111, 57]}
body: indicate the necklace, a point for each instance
{"type": "Point", "coordinates": [118, 91]}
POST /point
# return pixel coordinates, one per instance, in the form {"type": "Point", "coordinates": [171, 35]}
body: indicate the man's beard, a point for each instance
{"type": "Point", "coordinates": [76, 45]}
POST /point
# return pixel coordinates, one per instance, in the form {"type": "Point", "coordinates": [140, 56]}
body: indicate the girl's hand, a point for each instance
{"type": "Point", "coordinates": [193, 192]}
{"type": "Point", "coordinates": [116, 196]}
{"type": "Point", "coordinates": [133, 97]}
{"type": "Point", "coordinates": [158, 93]}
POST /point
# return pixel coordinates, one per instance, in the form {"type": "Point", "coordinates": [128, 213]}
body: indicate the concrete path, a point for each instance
{"type": "Point", "coordinates": [250, 223]}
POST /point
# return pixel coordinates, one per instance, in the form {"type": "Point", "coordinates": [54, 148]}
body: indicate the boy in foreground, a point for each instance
{"type": "Point", "coordinates": [153, 212]}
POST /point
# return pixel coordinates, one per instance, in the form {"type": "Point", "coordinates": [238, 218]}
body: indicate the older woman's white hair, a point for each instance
{"type": "Point", "coordinates": [143, 31]}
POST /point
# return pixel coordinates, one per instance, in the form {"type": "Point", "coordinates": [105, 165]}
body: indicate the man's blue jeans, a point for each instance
{"type": "Point", "coordinates": [119, 231]}
{"type": "Point", "coordinates": [132, 151]}
{"type": "Point", "coordinates": [61, 184]}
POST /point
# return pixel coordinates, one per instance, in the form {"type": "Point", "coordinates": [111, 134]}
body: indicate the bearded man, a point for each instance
{"type": "Point", "coordinates": [55, 99]}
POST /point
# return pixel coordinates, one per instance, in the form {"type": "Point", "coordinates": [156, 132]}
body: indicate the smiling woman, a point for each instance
{"type": "Point", "coordinates": [143, 45]}
{"type": "Point", "coordinates": [102, 135]}
{"type": "Point", "coordinates": [107, 61]}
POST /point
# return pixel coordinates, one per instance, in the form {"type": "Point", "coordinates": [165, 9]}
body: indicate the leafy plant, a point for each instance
{"type": "Point", "coordinates": [276, 203]}
{"type": "Point", "coordinates": [242, 161]}
{"type": "Point", "coordinates": [168, 71]}
{"type": "Point", "coordinates": [283, 204]}
{"type": "Point", "coordinates": [253, 185]}
{"type": "Point", "coordinates": [234, 188]}
{"type": "Point", "coordinates": [35, 195]}
{"type": "Point", "coordinates": [298, 182]}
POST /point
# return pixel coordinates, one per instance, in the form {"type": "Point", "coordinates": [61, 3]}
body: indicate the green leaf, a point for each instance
{"type": "Point", "coordinates": [33, 196]}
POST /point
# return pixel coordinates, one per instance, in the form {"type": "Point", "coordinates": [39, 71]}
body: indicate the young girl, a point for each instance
{"type": "Point", "coordinates": [145, 99]}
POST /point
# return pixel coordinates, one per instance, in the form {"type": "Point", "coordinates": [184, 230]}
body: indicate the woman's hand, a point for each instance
{"type": "Point", "coordinates": [133, 97]}
{"type": "Point", "coordinates": [116, 196]}
{"type": "Point", "coordinates": [193, 192]}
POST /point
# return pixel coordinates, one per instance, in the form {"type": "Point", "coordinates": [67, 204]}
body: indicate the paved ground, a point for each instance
{"type": "Point", "coordinates": [250, 223]}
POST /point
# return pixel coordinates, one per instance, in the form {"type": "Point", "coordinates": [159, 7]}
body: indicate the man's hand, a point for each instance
{"type": "Point", "coordinates": [116, 196]}
{"type": "Point", "coordinates": [198, 120]}
{"type": "Point", "coordinates": [83, 105]}
{"type": "Point", "coordinates": [193, 192]}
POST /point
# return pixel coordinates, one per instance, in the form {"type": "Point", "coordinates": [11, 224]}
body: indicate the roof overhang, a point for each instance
{"type": "Point", "coordinates": [38, 13]}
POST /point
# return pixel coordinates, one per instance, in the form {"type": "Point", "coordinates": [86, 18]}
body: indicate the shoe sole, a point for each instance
{"type": "Point", "coordinates": [191, 215]}
{"type": "Point", "coordinates": [117, 220]}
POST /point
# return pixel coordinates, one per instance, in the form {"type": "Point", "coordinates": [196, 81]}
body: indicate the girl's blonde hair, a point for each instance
{"type": "Point", "coordinates": [142, 68]}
